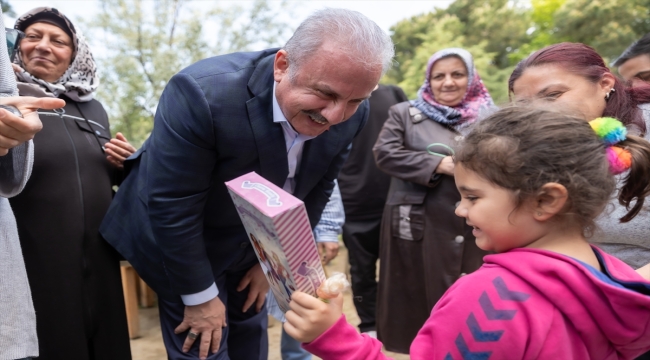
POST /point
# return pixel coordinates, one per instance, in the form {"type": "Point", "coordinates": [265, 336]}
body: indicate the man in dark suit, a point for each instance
{"type": "Point", "coordinates": [288, 114]}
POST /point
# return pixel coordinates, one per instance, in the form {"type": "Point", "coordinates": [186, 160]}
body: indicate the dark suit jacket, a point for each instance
{"type": "Point", "coordinates": [172, 217]}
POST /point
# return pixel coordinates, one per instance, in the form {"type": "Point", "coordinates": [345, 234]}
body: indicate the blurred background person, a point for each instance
{"type": "Point", "coordinates": [364, 188]}
{"type": "Point", "coordinates": [425, 247]}
{"type": "Point", "coordinates": [634, 63]}
{"type": "Point", "coordinates": [74, 274]}
{"type": "Point", "coordinates": [573, 75]}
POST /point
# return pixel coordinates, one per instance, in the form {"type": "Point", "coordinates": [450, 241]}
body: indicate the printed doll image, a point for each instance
{"type": "Point", "coordinates": [259, 250]}
{"type": "Point", "coordinates": [277, 273]}
{"type": "Point", "coordinates": [282, 274]}
{"type": "Point", "coordinates": [311, 274]}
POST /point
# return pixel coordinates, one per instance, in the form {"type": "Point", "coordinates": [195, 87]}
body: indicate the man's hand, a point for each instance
{"type": "Point", "coordinates": [328, 251]}
{"type": "Point", "coordinates": [446, 166]}
{"type": "Point", "coordinates": [310, 317]}
{"type": "Point", "coordinates": [15, 130]}
{"type": "Point", "coordinates": [205, 320]}
{"type": "Point", "coordinates": [259, 286]}
{"type": "Point", "coordinates": [118, 149]}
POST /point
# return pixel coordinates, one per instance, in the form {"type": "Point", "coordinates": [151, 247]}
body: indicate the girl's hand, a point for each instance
{"type": "Point", "coordinates": [117, 150]}
{"type": "Point", "coordinates": [310, 317]}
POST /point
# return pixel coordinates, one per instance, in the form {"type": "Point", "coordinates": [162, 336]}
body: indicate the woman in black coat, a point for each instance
{"type": "Point", "coordinates": [74, 274]}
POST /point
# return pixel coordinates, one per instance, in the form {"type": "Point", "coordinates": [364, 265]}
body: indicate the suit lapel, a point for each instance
{"type": "Point", "coordinates": [269, 138]}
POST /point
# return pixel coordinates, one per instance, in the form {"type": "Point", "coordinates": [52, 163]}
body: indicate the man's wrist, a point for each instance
{"type": "Point", "coordinates": [201, 297]}
{"type": "Point", "coordinates": [334, 237]}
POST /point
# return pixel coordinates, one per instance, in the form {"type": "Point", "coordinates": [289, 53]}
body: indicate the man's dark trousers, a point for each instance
{"type": "Point", "coordinates": [246, 333]}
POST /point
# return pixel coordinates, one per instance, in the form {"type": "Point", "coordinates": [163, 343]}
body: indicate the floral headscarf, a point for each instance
{"type": "Point", "coordinates": [476, 98]}
{"type": "Point", "coordinates": [79, 81]}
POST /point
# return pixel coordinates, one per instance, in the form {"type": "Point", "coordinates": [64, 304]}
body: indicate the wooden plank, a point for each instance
{"type": "Point", "coordinates": [147, 295]}
{"type": "Point", "coordinates": [129, 286]}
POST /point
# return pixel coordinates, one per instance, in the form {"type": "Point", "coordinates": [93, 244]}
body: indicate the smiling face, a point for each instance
{"type": "Point", "coordinates": [448, 81]}
{"type": "Point", "coordinates": [327, 89]}
{"type": "Point", "coordinates": [46, 51]}
{"type": "Point", "coordinates": [636, 70]}
{"type": "Point", "coordinates": [491, 210]}
{"type": "Point", "coordinates": [552, 85]}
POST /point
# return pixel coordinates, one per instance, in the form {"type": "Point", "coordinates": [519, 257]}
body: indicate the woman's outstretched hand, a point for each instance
{"type": "Point", "coordinates": [310, 317]}
{"type": "Point", "coordinates": [15, 130]}
{"type": "Point", "coordinates": [117, 150]}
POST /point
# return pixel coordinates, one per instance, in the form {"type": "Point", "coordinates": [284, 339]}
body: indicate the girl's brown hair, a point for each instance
{"type": "Point", "coordinates": [522, 149]}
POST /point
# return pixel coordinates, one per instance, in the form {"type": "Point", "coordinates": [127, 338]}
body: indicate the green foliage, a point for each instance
{"type": "Point", "coordinates": [542, 30]}
{"type": "Point", "coordinates": [6, 8]}
{"type": "Point", "coordinates": [147, 43]}
{"type": "Point", "coordinates": [608, 26]}
{"type": "Point", "coordinates": [500, 25]}
{"type": "Point", "coordinates": [407, 36]}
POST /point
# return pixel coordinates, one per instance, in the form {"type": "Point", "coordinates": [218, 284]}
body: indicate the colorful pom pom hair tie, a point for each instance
{"type": "Point", "coordinates": [612, 131]}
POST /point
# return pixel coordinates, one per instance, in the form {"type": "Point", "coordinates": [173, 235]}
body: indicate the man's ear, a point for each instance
{"type": "Point", "coordinates": [280, 65]}
{"type": "Point", "coordinates": [549, 201]}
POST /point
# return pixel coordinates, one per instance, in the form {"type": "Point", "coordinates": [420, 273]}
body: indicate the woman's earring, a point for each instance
{"type": "Point", "coordinates": [539, 213]}
{"type": "Point", "coordinates": [612, 90]}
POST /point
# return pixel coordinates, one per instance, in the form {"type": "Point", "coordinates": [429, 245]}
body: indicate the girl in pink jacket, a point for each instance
{"type": "Point", "coordinates": [532, 183]}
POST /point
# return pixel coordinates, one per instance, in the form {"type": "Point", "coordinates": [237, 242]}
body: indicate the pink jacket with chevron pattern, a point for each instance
{"type": "Point", "coordinates": [524, 304]}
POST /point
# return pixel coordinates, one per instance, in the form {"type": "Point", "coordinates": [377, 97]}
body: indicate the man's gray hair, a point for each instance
{"type": "Point", "coordinates": [363, 40]}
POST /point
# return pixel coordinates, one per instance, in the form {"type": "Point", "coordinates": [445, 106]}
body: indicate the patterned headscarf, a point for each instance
{"type": "Point", "coordinates": [79, 81]}
{"type": "Point", "coordinates": [476, 98]}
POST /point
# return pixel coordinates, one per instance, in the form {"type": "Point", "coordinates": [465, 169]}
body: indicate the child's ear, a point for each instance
{"type": "Point", "coordinates": [549, 201]}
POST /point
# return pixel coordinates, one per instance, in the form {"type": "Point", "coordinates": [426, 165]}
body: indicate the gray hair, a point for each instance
{"type": "Point", "coordinates": [363, 40]}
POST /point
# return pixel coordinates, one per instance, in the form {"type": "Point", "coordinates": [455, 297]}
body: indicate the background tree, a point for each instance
{"type": "Point", "coordinates": [146, 43]}
{"type": "Point", "coordinates": [6, 8]}
{"type": "Point", "coordinates": [608, 26]}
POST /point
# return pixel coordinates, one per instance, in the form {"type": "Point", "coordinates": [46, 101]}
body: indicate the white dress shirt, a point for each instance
{"type": "Point", "coordinates": [294, 141]}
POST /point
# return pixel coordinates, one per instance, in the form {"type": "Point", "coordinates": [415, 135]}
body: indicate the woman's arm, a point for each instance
{"type": "Point", "coordinates": [394, 158]}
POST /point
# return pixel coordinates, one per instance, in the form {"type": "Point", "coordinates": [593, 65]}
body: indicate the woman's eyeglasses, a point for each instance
{"type": "Point", "coordinates": [13, 41]}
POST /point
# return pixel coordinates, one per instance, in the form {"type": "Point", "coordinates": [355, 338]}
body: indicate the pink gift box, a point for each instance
{"type": "Point", "coordinates": [279, 230]}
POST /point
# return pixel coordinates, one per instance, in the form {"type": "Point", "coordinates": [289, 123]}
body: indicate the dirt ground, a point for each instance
{"type": "Point", "coordinates": [150, 346]}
